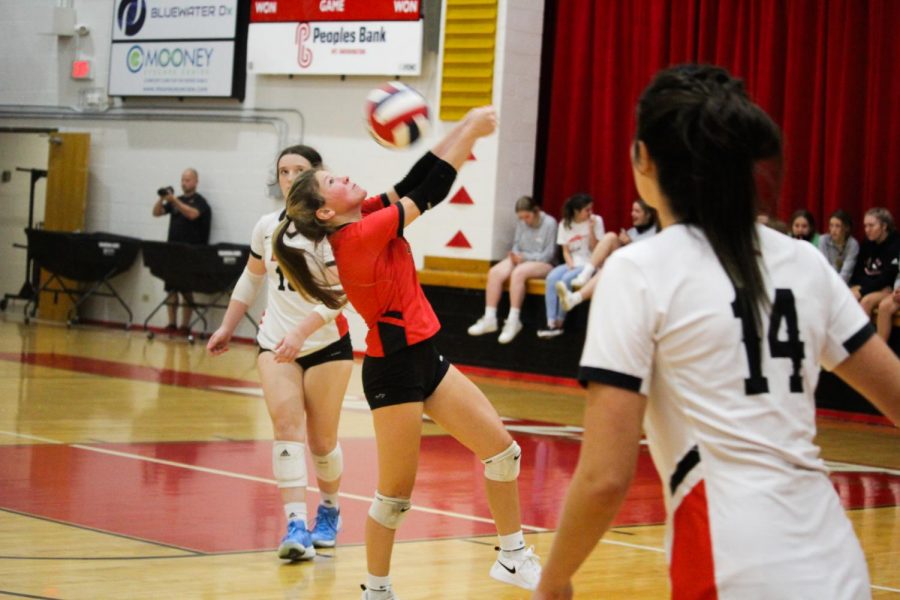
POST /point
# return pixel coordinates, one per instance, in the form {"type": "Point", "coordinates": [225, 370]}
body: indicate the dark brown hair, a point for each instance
{"type": "Point", "coordinates": [706, 137]}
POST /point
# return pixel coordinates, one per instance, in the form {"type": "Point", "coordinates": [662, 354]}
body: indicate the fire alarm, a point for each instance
{"type": "Point", "coordinates": [81, 69]}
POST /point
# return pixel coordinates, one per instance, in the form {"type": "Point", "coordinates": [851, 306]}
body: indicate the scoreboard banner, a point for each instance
{"type": "Point", "coordinates": [304, 11]}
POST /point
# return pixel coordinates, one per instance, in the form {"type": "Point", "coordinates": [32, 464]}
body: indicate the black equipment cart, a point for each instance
{"type": "Point", "coordinates": [211, 270]}
{"type": "Point", "coordinates": [91, 259]}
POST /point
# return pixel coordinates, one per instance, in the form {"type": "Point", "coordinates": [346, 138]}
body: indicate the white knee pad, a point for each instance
{"type": "Point", "coordinates": [330, 466]}
{"type": "Point", "coordinates": [388, 511]}
{"type": "Point", "coordinates": [289, 464]}
{"type": "Point", "coordinates": [503, 466]}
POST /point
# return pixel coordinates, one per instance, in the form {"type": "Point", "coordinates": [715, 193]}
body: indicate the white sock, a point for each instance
{"type": "Point", "coordinates": [295, 511]}
{"type": "Point", "coordinates": [490, 313]}
{"type": "Point", "coordinates": [513, 545]}
{"type": "Point", "coordinates": [514, 314]}
{"type": "Point", "coordinates": [575, 298]}
{"type": "Point", "coordinates": [586, 272]}
{"type": "Point", "coordinates": [378, 584]}
{"type": "Point", "coordinates": [330, 500]}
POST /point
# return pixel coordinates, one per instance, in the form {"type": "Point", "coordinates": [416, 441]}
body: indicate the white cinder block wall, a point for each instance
{"type": "Point", "coordinates": [131, 158]}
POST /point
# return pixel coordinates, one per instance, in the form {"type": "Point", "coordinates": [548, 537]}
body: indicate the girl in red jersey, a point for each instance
{"type": "Point", "coordinates": [404, 375]}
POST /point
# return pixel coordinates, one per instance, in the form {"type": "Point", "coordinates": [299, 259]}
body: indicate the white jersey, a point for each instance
{"type": "Point", "coordinates": [577, 238]}
{"type": "Point", "coordinates": [285, 308]}
{"type": "Point", "coordinates": [730, 423]}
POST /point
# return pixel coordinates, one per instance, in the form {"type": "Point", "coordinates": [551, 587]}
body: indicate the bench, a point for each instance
{"type": "Point", "coordinates": [466, 273]}
{"type": "Point", "coordinates": [470, 273]}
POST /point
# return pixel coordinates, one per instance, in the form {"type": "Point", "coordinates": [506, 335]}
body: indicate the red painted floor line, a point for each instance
{"type": "Point", "coordinates": [842, 415]}
{"type": "Point", "coordinates": [232, 505]}
{"type": "Point", "coordinates": [109, 368]}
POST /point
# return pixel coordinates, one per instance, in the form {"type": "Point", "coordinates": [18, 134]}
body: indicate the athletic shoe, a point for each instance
{"type": "Point", "coordinates": [524, 572]}
{"type": "Point", "coordinates": [296, 543]}
{"type": "Point", "coordinates": [546, 334]}
{"type": "Point", "coordinates": [482, 326]}
{"type": "Point", "coordinates": [568, 300]}
{"type": "Point", "coordinates": [328, 523]}
{"type": "Point", "coordinates": [510, 330]}
{"type": "Point", "coordinates": [387, 594]}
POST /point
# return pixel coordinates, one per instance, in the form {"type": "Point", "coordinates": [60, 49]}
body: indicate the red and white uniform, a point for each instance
{"type": "Point", "coordinates": [379, 277]}
{"type": "Point", "coordinates": [751, 512]}
{"type": "Point", "coordinates": [285, 307]}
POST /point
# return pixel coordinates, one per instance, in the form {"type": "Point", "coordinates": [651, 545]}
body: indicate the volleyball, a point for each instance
{"type": "Point", "coordinates": [396, 115]}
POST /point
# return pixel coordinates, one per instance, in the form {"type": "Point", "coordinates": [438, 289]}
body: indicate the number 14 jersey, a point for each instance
{"type": "Point", "coordinates": [730, 416]}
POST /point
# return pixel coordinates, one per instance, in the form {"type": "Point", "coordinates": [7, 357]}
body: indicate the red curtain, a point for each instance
{"type": "Point", "coordinates": [827, 71]}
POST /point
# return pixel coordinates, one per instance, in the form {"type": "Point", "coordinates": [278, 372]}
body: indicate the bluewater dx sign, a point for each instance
{"type": "Point", "coordinates": [177, 48]}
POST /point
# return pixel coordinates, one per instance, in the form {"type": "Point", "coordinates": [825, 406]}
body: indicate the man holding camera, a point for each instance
{"type": "Point", "coordinates": [189, 222]}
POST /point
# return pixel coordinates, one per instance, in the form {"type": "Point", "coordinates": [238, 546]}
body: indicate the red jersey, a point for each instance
{"type": "Point", "coordinates": [378, 274]}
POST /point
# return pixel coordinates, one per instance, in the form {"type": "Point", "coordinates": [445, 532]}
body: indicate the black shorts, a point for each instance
{"type": "Point", "coordinates": [408, 375]}
{"type": "Point", "coordinates": [339, 350]}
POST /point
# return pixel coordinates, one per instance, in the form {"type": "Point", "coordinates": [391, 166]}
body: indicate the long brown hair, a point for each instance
{"type": "Point", "coordinates": [306, 273]}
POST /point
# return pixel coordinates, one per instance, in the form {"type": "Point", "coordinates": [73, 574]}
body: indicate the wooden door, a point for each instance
{"type": "Point", "coordinates": [66, 203]}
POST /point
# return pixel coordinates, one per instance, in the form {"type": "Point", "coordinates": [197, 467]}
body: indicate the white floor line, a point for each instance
{"type": "Point", "coordinates": [850, 467]}
{"type": "Point", "coordinates": [628, 545]}
{"type": "Point", "coordinates": [886, 589]}
{"type": "Point", "coordinates": [169, 463]}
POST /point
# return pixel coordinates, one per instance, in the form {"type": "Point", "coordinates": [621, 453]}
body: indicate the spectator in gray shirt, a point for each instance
{"type": "Point", "coordinates": [838, 246]}
{"type": "Point", "coordinates": [531, 257]}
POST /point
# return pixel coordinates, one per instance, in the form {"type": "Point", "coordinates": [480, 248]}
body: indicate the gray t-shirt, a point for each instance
{"type": "Point", "coordinates": [536, 243]}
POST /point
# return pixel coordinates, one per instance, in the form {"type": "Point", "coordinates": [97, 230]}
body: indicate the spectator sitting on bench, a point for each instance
{"type": "Point", "coordinates": [531, 257]}
{"type": "Point", "coordinates": [889, 305]}
{"type": "Point", "coordinates": [578, 234]}
{"type": "Point", "coordinates": [839, 247]}
{"type": "Point", "coordinates": [645, 226]}
{"type": "Point", "coordinates": [803, 227]}
{"type": "Point", "coordinates": [876, 267]}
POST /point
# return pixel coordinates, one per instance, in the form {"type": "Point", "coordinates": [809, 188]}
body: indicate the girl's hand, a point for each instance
{"type": "Point", "coordinates": [482, 120]}
{"type": "Point", "coordinates": [287, 349]}
{"type": "Point", "coordinates": [218, 342]}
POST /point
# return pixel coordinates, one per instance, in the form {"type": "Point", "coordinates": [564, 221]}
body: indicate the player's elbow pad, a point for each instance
{"type": "Point", "coordinates": [247, 287]}
{"type": "Point", "coordinates": [435, 187]}
{"type": "Point", "coordinates": [416, 175]}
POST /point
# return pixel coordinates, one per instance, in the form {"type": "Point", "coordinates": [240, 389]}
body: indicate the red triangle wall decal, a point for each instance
{"type": "Point", "coordinates": [461, 197]}
{"type": "Point", "coordinates": [459, 241]}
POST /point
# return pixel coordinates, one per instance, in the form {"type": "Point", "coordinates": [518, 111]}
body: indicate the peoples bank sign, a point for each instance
{"type": "Point", "coordinates": [335, 37]}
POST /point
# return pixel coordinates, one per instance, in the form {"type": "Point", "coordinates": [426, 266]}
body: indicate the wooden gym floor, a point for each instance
{"type": "Point", "coordinates": [141, 469]}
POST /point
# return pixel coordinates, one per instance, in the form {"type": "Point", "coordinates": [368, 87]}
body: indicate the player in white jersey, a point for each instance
{"type": "Point", "coordinates": [698, 333]}
{"type": "Point", "coordinates": [304, 362]}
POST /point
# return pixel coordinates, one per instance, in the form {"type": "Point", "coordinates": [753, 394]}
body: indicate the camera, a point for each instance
{"type": "Point", "coordinates": [165, 191]}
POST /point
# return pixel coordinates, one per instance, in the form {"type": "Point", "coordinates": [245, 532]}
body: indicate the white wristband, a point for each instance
{"type": "Point", "coordinates": [247, 287]}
